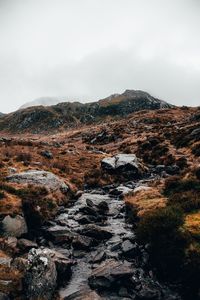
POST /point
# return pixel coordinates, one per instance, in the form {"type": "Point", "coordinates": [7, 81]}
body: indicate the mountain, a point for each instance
{"type": "Point", "coordinates": [71, 114]}
{"type": "Point", "coordinates": [45, 101]}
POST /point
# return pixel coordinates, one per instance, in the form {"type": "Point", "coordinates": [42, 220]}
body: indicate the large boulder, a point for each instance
{"type": "Point", "coordinates": [41, 178]}
{"type": "Point", "coordinates": [41, 275]}
{"type": "Point", "coordinates": [14, 226]}
{"type": "Point", "coordinates": [124, 164]}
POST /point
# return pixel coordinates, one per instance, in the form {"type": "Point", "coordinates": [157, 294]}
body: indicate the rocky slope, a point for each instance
{"type": "Point", "coordinates": [66, 115]}
{"type": "Point", "coordinates": [103, 211]}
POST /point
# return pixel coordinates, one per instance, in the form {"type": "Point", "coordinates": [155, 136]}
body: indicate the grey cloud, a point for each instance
{"type": "Point", "coordinates": [90, 49]}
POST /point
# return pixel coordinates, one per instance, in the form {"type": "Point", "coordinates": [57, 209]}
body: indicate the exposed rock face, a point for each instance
{"type": "Point", "coordinates": [40, 278]}
{"type": "Point", "coordinates": [14, 226]}
{"type": "Point", "coordinates": [41, 178]}
{"type": "Point", "coordinates": [127, 164]}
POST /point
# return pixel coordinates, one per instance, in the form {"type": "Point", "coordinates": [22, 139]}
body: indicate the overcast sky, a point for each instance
{"type": "Point", "coordinates": [89, 49]}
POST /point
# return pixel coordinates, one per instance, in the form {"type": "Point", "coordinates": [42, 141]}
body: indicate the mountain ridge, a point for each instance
{"type": "Point", "coordinates": [65, 115]}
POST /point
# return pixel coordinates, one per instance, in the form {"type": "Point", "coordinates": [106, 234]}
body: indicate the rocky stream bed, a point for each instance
{"type": "Point", "coordinates": [94, 248]}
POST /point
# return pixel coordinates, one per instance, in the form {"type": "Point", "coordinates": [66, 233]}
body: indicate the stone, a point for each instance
{"type": "Point", "coordinates": [129, 249]}
{"type": "Point", "coordinates": [109, 273]}
{"type": "Point", "coordinates": [82, 242]}
{"type": "Point", "coordinates": [97, 232]}
{"type": "Point", "coordinates": [126, 164]}
{"type": "Point", "coordinates": [26, 245]}
{"type": "Point", "coordinates": [41, 276]}
{"type": "Point", "coordinates": [14, 226]}
{"type": "Point", "coordinates": [98, 256]}
{"type": "Point", "coordinates": [84, 294]}
{"type": "Point", "coordinates": [47, 154]}
{"type": "Point", "coordinates": [4, 296]}
{"type": "Point", "coordinates": [62, 262]}
{"type": "Point", "coordinates": [42, 178]}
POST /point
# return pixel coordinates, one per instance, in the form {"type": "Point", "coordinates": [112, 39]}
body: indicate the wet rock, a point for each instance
{"type": "Point", "coordinates": [14, 226]}
{"type": "Point", "coordinates": [120, 191]}
{"type": "Point", "coordinates": [59, 234]}
{"type": "Point", "coordinates": [97, 232]}
{"type": "Point", "coordinates": [110, 273]}
{"type": "Point", "coordinates": [41, 178]}
{"type": "Point", "coordinates": [85, 294]}
{"type": "Point", "coordinates": [40, 277]}
{"type": "Point", "coordinates": [82, 242]}
{"type": "Point", "coordinates": [4, 296]}
{"type": "Point", "coordinates": [129, 249]}
{"type": "Point", "coordinates": [148, 291]}
{"type": "Point", "coordinates": [98, 256]}
{"type": "Point", "coordinates": [62, 262]}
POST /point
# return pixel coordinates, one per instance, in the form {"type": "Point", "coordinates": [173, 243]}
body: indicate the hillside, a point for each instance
{"type": "Point", "coordinates": [111, 207]}
{"type": "Point", "coordinates": [66, 115]}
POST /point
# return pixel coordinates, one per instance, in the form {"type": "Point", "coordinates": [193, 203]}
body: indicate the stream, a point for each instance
{"type": "Point", "coordinates": [108, 261]}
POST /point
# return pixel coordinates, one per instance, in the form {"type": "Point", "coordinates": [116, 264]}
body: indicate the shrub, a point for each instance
{"type": "Point", "coordinates": [196, 150]}
{"type": "Point", "coordinates": [176, 184]}
{"type": "Point", "coordinates": [26, 157]}
{"type": "Point", "coordinates": [2, 195]}
{"type": "Point", "coordinates": [161, 229]}
{"type": "Point", "coordinates": [188, 201]}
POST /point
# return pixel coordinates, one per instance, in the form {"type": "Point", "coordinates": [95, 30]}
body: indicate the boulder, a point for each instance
{"type": "Point", "coordinates": [109, 273]}
{"type": "Point", "coordinates": [42, 178]}
{"type": "Point", "coordinates": [41, 275]}
{"type": "Point", "coordinates": [124, 164]}
{"type": "Point", "coordinates": [14, 226]}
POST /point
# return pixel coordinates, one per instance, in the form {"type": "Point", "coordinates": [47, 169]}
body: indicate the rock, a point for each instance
{"type": "Point", "coordinates": [59, 234]}
{"type": "Point", "coordinates": [94, 200]}
{"type": "Point", "coordinates": [41, 275]}
{"type": "Point", "coordinates": [149, 292]}
{"type": "Point", "coordinates": [126, 164]}
{"type": "Point", "coordinates": [26, 245]}
{"type": "Point", "coordinates": [109, 273]}
{"type": "Point", "coordinates": [4, 296]}
{"type": "Point", "coordinates": [85, 294]}
{"type": "Point", "coordinates": [12, 170]}
{"type": "Point", "coordinates": [120, 191]}
{"type": "Point", "coordinates": [62, 262]}
{"type": "Point", "coordinates": [14, 226]}
{"type": "Point", "coordinates": [129, 249]}
{"type": "Point", "coordinates": [141, 188]}
{"type": "Point", "coordinates": [47, 154]}
{"type": "Point", "coordinates": [172, 170]}
{"type": "Point", "coordinates": [98, 256]}
{"type": "Point", "coordinates": [82, 242]}
{"type": "Point", "coordinates": [97, 232]}
{"type": "Point", "coordinates": [41, 178]}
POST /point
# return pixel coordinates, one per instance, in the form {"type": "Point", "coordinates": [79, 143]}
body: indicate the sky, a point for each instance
{"type": "Point", "coordinates": [90, 49]}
